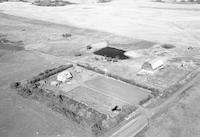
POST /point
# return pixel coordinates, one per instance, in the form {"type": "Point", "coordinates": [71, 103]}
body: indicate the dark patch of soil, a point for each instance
{"type": "Point", "coordinates": [167, 46]}
{"type": "Point", "coordinates": [112, 53]}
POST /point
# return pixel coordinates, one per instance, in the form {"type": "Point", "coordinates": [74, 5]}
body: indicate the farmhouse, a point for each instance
{"type": "Point", "coordinates": [64, 76]}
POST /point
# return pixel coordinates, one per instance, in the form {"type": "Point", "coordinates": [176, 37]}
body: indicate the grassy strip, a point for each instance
{"type": "Point", "coordinates": [171, 90]}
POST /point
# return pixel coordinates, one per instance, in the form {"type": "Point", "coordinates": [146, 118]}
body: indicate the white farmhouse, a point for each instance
{"type": "Point", "coordinates": [64, 76]}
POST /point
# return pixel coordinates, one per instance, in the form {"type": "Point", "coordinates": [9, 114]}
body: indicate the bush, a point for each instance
{"type": "Point", "coordinates": [145, 100]}
{"type": "Point", "coordinates": [49, 72]}
{"type": "Point", "coordinates": [15, 85]}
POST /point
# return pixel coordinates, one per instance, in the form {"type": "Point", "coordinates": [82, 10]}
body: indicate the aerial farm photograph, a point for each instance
{"type": "Point", "coordinates": [99, 68]}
